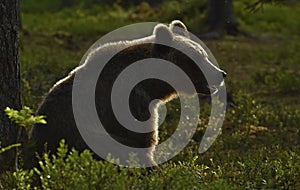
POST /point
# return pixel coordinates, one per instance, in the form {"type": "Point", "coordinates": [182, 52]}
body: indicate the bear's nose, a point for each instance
{"type": "Point", "coordinates": [224, 74]}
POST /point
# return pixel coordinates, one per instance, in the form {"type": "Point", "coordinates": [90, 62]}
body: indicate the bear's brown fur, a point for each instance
{"type": "Point", "coordinates": [57, 105]}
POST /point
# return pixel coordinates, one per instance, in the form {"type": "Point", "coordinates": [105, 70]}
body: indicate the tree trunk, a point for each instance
{"type": "Point", "coordinates": [9, 73]}
{"type": "Point", "coordinates": [66, 3]}
{"type": "Point", "coordinates": [220, 17]}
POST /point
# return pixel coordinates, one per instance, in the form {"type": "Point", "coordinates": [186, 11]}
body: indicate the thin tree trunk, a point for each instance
{"type": "Point", "coordinates": [66, 3]}
{"type": "Point", "coordinates": [9, 73]}
{"type": "Point", "coordinates": [220, 17]}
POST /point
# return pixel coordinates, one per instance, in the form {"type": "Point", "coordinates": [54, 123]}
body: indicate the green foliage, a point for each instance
{"type": "Point", "coordinates": [275, 20]}
{"type": "Point", "coordinates": [21, 179]}
{"type": "Point", "coordinates": [24, 117]}
{"type": "Point", "coordinates": [37, 6]}
{"type": "Point", "coordinates": [285, 81]}
{"type": "Point", "coordinates": [258, 5]}
{"type": "Point", "coordinates": [250, 112]}
{"type": "Point", "coordinates": [25, 120]}
{"type": "Point", "coordinates": [9, 147]}
{"type": "Point", "coordinates": [77, 20]}
{"type": "Point", "coordinates": [74, 171]}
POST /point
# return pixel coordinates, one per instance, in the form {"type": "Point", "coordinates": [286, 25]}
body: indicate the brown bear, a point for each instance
{"type": "Point", "coordinates": [57, 105]}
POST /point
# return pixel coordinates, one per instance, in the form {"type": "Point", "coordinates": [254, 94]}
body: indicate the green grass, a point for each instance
{"type": "Point", "coordinates": [259, 147]}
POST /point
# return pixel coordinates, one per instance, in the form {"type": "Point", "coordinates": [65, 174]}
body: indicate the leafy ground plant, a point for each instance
{"type": "Point", "coordinates": [25, 120]}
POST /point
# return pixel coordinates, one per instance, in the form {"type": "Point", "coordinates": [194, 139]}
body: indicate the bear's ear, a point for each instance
{"type": "Point", "coordinates": [162, 34]}
{"type": "Point", "coordinates": [163, 39]}
{"type": "Point", "coordinates": [177, 27]}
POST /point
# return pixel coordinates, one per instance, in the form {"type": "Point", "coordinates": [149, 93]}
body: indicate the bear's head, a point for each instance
{"type": "Point", "coordinates": [172, 44]}
{"type": "Point", "coordinates": [175, 44]}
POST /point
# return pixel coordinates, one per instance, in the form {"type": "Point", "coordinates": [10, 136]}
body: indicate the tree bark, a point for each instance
{"type": "Point", "coordinates": [9, 71]}
{"type": "Point", "coordinates": [66, 3]}
{"type": "Point", "coordinates": [220, 17]}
